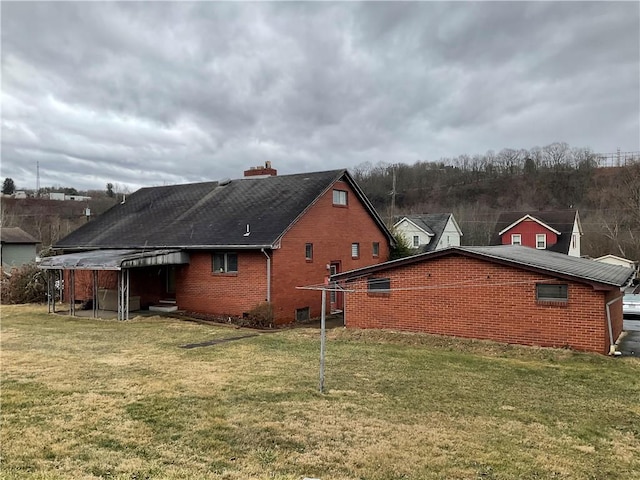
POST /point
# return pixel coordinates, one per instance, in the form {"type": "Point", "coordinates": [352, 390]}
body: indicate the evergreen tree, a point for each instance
{"type": "Point", "coordinates": [8, 187]}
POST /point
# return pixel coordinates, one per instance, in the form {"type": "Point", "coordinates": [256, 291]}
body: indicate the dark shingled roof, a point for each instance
{"type": "Point", "coordinates": [434, 223]}
{"type": "Point", "coordinates": [209, 214]}
{"type": "Point", "coordinates": [551, 263]}
{"type": "Point", "coordinates": [560, 220]}
{"type": "Point", "coordinates": [16, 235]}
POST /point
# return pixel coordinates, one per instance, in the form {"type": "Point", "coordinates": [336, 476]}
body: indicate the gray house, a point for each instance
{"type": "Point", "coordinates": [17, 247]}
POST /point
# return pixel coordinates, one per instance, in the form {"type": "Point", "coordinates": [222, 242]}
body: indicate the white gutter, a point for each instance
{"type": "Point", "coordinates": [268, 274]}
{"type": "Point", "coordinates": [612, 345]}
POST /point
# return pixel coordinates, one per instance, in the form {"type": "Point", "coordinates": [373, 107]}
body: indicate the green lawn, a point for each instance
{"type": "Point", "coordinates": [85, 398]}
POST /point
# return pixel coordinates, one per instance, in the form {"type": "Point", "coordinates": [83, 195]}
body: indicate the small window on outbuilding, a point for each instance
{"type": "Point", "coordinates": [516, 239]}
{"type": "Point", "coordinates": [552, 292]}
{"type": "Point", "coordinates": [541, 241]}
{"type": "Point", "coordinates": [378, 285]}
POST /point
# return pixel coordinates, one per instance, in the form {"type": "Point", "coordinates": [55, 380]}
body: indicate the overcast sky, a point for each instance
{"type": "Point", "coordinates": [143, 94]}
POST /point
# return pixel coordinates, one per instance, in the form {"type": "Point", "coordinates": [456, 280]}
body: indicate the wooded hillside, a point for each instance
{"type": "Point", "coordinates": [476, 189]}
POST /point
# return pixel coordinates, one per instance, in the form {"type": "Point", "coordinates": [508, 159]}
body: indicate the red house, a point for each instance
{"type": "Point", "coordinates": [508, 294]}
{"type": "Point", "coordinates": [224, 248]}
{"type": "Point", "coordinates": [558, 230]}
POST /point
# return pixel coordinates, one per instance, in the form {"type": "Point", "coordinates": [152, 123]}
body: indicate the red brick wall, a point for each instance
{"type": "Point", "coordinates": [528, 230]}
{"type": "Point", "coordinates": [332, 230]}
{"type": "Point", "coordinates": [198, 289]}
{"type": "Point", "coordinates": [84, 283]}
{"type": "Point", "coordinates": [478, 299]}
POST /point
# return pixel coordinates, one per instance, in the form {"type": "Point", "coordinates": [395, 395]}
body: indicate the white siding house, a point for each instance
{"type": "Point", "coordinates": [429, 232]}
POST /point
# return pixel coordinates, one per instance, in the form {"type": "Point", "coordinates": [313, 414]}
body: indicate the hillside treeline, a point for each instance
{"type": "Point", "coordinates": [477, 188]}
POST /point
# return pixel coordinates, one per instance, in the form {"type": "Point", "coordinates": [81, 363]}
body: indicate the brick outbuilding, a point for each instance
{"type": "Point", "coordinates": [224, 248]}
{"type": "Point", "coordinates": [510, 294]}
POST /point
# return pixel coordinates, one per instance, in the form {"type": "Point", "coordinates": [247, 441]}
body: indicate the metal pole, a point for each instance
{"type": "Point", "coordinates": [48, 291]}
{"type": "Point", "coordinates": [95, 293]}
{"type": "Point", "coordinates": [322, 338]}
{"type": "Point", "coordinates": [126, 310]}
{"type": "Point", "coordinates": [119, 295]}
{"type": "Point", "coordinates": [72, 294]}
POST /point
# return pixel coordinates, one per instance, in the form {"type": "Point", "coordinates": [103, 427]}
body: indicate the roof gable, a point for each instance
{"type": "Point", "coordinates": [16, 235]}
{"type": "Point", "coordinates": [525, 218]}
{"type": "Point", "coordinates": [210, 214]}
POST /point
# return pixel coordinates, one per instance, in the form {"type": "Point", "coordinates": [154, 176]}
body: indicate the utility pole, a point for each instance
{"type": "Point", "coordinates": [37, 178]}
{"type": "Point", "coordinates": [393, 195]}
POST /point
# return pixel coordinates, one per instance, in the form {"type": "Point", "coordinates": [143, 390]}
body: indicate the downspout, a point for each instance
{"type": "Point", "coordinates": [268, 274]}
{"type": "Point", "coordinates": [612, 346]}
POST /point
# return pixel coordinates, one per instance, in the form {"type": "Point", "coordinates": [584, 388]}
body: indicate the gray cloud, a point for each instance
{"type": "Point", "coordinates": [152, 93]}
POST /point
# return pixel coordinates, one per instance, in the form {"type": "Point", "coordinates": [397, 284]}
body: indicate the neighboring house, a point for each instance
{"type": "Point", "coordinates": [504, 293]}
{"type": "Point", "coordinates": [557, 230]}
{"type": "Point", "coordinates": [223, 248]}
{"type": "Point", "coordinates": [17, 247]}
{"type": "Point", "coordinates": [429, 231]}
{"type": "Point", "coordinates": [614, 260]}
{"type": "Point", "coordinates": [67, 197]}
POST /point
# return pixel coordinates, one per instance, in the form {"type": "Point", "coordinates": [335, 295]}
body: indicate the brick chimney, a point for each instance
{"type": "Point", "coordinates": [265, 171]}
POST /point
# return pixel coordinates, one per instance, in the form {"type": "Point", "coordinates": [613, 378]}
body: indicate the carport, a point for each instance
{"type": "Point", "coordinates": [121, 261]}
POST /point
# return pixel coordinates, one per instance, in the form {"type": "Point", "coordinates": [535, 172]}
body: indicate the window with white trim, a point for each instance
{"type": "Point", "coordinates": [416, 240]}
{"type": "Point", "coordinates": [552, 292]}
{"type": "Point", "coordinates": [541, 241]}
{"type": "Point", "coordinates": [516, 239]}
{"type": "Point", "coordinates": [340, 197]}
{"type": "Point", "coordinates": [355, 250]}
{"type": "Point", "coordinates": [226, 262]}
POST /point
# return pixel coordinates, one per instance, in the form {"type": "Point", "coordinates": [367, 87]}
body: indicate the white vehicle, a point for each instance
{"type": "Point", "coordinates": [631, 304]}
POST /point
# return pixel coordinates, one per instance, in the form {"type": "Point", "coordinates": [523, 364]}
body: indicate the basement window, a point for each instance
{"type": "Point", "coordinates": [302, 314]}
{"type": "Point", "coordinates": [552, 292]}
{"type": "Point", "coordinates": [225, 262]}
{"type": "Point", "coordinates": [340, 198]}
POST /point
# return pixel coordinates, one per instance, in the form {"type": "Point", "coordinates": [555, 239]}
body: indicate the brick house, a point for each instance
{"type": "Point", "coordinates": [223, 248]}
{"type": "Point", "coordinates": [508, 294]}
{"type": "Point", "coordinates": [556, 230]}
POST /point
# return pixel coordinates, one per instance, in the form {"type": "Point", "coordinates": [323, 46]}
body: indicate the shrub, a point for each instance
{"type": "Point", "coordinates": [260, 316]}
{"type": "Point", "coordinates": [26, 284]}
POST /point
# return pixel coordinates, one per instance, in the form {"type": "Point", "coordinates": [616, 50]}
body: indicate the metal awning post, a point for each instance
{"type": "Point", "coordinates": [95, 293]}
{"type": "Point", "coordinates": [72, 293]}
{"type": "Point", "coordinates": [48, 291]}
{"type": "Point", "coordinates": [119, 294]}
{"type": "Point", "coordinates": [126, 293]}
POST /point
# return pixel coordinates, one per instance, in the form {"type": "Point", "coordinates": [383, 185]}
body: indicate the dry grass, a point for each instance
{"type": "Point", "coordinates": [102, 399]}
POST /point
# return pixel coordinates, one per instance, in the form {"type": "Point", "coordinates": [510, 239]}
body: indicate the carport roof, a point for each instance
{"type": "Point", "coordinates": [553, 263]}
{"type": "Point", "coordinates": [114, 259]}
